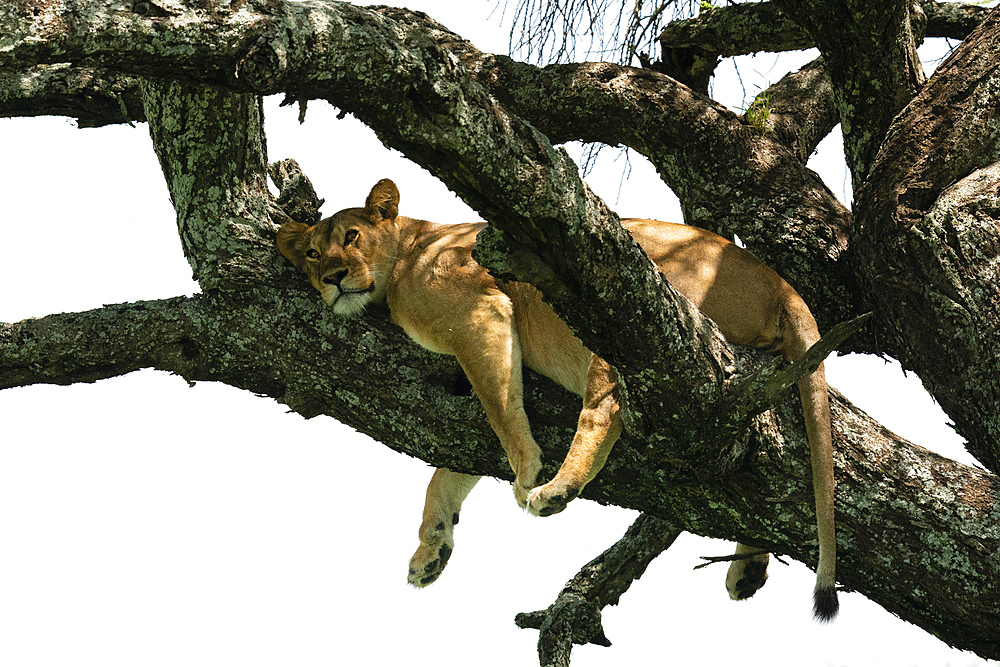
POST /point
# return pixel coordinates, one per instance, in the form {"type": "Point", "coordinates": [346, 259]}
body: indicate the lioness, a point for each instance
{"type": "Point", "coordinates": [449, 304]}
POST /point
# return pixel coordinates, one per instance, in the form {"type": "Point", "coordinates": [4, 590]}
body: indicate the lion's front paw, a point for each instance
{"type": "Point", "coordinates": [521, 494]}
{"type": "Point", "coordinates": [523, 484]}
{"type": "Point", "coordinates": [550, 499]}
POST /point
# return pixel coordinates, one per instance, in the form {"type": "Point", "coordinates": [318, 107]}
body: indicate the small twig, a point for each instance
{"type": "Point", "coordinates": [712, 560]}
{"type": "Point", "coordinates": [765, 387]}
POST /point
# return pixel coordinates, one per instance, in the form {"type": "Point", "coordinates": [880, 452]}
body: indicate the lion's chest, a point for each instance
{"type": "Point", "coordinates": [422, 317]}
{"type": "Point", "coordinates": [426, 337]}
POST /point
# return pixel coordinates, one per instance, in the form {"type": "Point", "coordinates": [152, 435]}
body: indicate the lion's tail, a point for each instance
{"type": "Point", "coordinates": [816, 408]}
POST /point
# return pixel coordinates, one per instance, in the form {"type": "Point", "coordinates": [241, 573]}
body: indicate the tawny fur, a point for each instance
{"type": "Point", "coordinates": [447, 303]}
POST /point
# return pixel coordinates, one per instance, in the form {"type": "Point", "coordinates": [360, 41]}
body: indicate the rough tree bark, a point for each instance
{"type": "Point", "coordinates": [702, 455]}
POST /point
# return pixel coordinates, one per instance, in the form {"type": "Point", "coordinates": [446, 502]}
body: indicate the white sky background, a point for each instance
{"type": "Point", "coordinates": [147, 523]}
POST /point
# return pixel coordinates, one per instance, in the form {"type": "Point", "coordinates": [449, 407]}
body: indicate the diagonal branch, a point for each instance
{"type": "Point", "coordinates": [727, 177]}
{"type": "Point", "coordinates": [575, 616]}
{"type": "Point", "coordinates": [436, 74]}
{"type": "Point", "coordinates": [802, 109]}
{"type": "Point", "coordinates": [550, 229]}
{"type": "Point", "coordinates": [760, 390]}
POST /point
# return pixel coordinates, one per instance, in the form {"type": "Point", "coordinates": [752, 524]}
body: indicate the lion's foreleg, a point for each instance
{"type": "Point", "coordinates": [490, 354]}
{"type": "Point", "coordinates": [597, 431]}
{"type": "Point", "coordinates": [445, 494]}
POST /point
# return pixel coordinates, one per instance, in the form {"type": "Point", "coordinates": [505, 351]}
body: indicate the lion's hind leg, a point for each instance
{"type": "Point", "coordinates": [445, 494]}
{"type": "Point", "coordinates": [747, 574]}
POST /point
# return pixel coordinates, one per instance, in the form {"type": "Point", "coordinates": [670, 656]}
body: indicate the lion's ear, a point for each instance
{"type": "Point", "coordinates": [293, 239]}
{"type": "Point", "coordinates": [383, 201]}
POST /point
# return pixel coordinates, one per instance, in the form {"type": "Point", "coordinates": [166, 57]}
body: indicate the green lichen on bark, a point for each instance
{"type": "Point", "coordinates": [211, 147]}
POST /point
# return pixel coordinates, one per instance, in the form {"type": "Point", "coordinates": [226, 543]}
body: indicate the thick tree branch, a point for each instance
{"type": "Point", "coordinates": [736, 30]}
{"type": "Point", "coordinates": [955, 20]}
{"type": "Point", "coordinates": [211, 147]}
{"type": "Point", "coordinates": [727, 177]}
{"type": "Point", "coordinates": [550, 229]}
{"type": "Point", "coordinates": [802, 109]}
{"type": "Point", "coordinates": [266, 341]}
{"type": "Point", "coordinates": [775, 199]}
{"type": "Point", "coordinates": [927, 248]}
{"type": "Point", "coordinates": [763, 26]}
{"type": "Point", "coordinates": [871, 54]}
{"type": "Point", "coordinates": [94, 97]}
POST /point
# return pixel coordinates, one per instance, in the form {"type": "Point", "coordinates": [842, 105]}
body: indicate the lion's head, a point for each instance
{"type": "Point", "coordinates": [348, 256]}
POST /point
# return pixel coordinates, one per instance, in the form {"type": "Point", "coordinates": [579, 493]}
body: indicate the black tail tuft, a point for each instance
{"type": "Point", "coordinates": [825, 604]}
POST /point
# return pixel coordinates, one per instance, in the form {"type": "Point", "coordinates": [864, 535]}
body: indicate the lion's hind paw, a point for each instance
{"type": "Point", "coordinates": [427, 565]}
{"type": "Point", "coordinates": [436, 544]}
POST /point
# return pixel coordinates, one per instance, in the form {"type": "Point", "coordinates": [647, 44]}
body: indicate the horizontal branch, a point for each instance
{"type": "Point", "coordinates": [741, 29]}
{"type": "Point", "coordinates": [267, 340]}
{"type": "Point", "coordinates": [737, 30]}
{"type": "Point", "coordinates": [94, 97]}
{"type": "Point", "coordinates": [954, 20]}
{"type": "Point", "coordinates": [98, 344]}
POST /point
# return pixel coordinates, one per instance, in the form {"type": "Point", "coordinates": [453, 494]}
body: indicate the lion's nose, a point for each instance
{"type": "Point", "coordinates": [335, 278]}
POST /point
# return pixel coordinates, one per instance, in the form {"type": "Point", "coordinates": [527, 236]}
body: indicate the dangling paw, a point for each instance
{"type": "Point", "coordinates": [550, 498]}
{"type": "Point", "coordinates": [747, 575]}
{"type": "Point", "coordinates": [436, 545]}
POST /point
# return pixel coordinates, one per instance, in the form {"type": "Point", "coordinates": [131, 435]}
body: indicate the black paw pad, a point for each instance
{"type": "Point", "coordinates": [754, 576]}
{"type": "Point", "coordinates": [557, 504]}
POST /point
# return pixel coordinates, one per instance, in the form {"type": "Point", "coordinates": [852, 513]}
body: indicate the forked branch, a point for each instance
{"type": "Point", "coordinates": [575, 616]}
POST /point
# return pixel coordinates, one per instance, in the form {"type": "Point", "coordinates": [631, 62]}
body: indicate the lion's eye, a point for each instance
{"type": "Point", "coordinates": [350, 236]}
{"type": "Point", "coordinates": [312, 253]}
